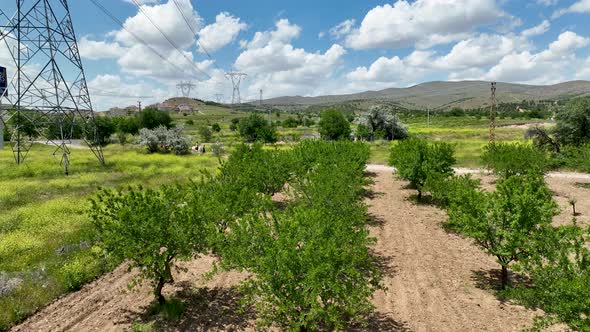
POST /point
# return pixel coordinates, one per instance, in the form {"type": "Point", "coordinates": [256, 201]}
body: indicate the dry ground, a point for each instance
{"type": "Point", "coordinates": [435, 281]}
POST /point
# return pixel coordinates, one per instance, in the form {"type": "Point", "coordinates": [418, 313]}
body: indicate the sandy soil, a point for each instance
{"type": "Point", "coordinates": [435, 281]}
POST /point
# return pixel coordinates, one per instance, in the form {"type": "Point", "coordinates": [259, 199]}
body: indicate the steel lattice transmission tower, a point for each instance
{"type": "Point", "coordinates": [185, 88]}
{"type": "Point", "coordinates": [236, 79]}
{"type": "Point", "coordinates": [493, 113]}
{"type": "Point", "coordinates": [48, 89]}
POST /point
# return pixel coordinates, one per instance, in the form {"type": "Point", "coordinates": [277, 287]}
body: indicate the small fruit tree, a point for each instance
{"type": "Point", "coordinates": [151, 229]}
{"type": "Point", "coordinates": [416, 161]}
{"type": "Point", "coordinates": [506, 222]}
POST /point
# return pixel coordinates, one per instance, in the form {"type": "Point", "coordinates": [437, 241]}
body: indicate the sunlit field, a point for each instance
{"type": "Point", "coordinates": [45, 232]}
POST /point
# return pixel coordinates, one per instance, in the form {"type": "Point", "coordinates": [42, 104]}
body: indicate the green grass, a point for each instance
{"type": "Point", "coordinates": [45, 235]}
{"type": "Point", "coordinates": [468, 134]}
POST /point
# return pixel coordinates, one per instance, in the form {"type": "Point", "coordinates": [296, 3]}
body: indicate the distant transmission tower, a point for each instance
{"type": "Point", "coordinates": [219, 97]}
{"type": "Point", "coordinates": [185, 88]}
{"type": "Point", "coordinates": [48, 89]}
{"type": "Point", "coordinates": [236, 79]}
{"type": "Point", "coordinates": [493, 112]}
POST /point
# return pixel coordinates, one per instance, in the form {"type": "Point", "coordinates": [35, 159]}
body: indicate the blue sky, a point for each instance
{"type": "Point", "coordinates": [326, 47]}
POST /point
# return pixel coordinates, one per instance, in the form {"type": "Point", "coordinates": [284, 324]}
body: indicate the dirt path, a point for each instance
{"type": "Point", "coordinates": [436, 279]}
{"type": "Point", "coordinates": [435, 282]}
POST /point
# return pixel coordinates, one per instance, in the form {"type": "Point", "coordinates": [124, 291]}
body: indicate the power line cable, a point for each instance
{"type": "Point", "coordinates": [195, 33]}
{"type": "Point", "coordinates": [139, 39]}
{"type": "Point", "coordinates": [170, 41]}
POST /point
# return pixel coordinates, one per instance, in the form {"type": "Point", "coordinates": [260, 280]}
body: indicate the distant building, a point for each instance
{"type": "Point", "coordinates": [167, 107]}
{"type": "Point", "coordinates": [185, 108]}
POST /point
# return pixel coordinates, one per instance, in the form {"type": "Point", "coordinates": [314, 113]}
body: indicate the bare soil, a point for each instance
{"type": "Point", "coordinates": [436, 281]}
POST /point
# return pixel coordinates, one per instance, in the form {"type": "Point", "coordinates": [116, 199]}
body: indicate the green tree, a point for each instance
{"type": "Point", "coordinates": [573, 122]}
{"type": "Point", "coordinates": [205, 133]}
{"type": "Point", "coordinates": [234, 124]}
{"type": "Point", "coordinates": [100, 130]}
{"type": "Point", "coordinates": [334, 125]}
{"type": "Point", "coordinates": [290, 122]}
{"type": "Point", "coordinates": [416, 161]}
{"type": "Point", "coordinates": [255, 128]}
{"type": "Point", "coordinates": [151, 229]}
{"type": "Point", "coordinates": [126, 124]}
{"type": "Point", "coordinates": [507, 159]}
{"type": "Point", "coordinates": [363, 132]}
{"type": "Point", "coordinates": [151, 118]}
{"type": "Point", "coordinates": [506, 222]}
{"type": "Point", "coordinates": [216, 127]}
{"type": "Point", "coordinates": [382, 122]}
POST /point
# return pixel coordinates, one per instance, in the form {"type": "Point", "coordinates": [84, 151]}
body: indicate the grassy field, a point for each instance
{"type": "Point", "coordinates": [44, 230]}
{"type": "Point", "coordinates": [468, 134]}
{"type": "Point", "coordinates": [45, 247]}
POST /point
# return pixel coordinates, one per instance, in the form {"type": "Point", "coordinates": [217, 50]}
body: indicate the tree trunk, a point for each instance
{"type": "Point", "coordinates": [419, 194]}
{"type": "Point", "coordinates": [504, 277]}
{"type": "Point", "coordinates": [158, 290]}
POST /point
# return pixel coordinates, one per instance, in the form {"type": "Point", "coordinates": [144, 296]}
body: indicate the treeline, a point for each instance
{"type": "Point", "coordinates": [512, 223]}
{"type": "Point", "coordinates": [309, 258]}
{"type": "Point", "coordinates": [99, 130]}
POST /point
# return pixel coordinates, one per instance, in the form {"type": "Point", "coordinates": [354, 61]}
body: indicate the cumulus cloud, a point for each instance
{"type": "Point", "coordinates": [97, 50]}
{"type": "Point", "coordinates": [279, 68]}
{"type": "Point", "coordinates": [426, 22]}
{"type": "Point", "coordinates": [555, 64]}
{"type": "Point", "coordinates": [168, 19]}
{"type": "Point", "coordinates": [109, 91]}
{"type": "Point", "coordinates": [217, 35]}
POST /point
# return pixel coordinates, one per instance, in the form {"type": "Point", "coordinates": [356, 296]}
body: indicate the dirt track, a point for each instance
{"type": "Point", "coordinates": [435, 281]}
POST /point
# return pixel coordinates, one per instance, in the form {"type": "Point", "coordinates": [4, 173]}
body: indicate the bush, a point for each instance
{"type": "Point", "coordinates": [560, 269]}
{"type": "Point", "coordinates": [576, 157]}
{"type": "Point", "coordinates": [446, 190]}
{"type": "Point", "coordinates": [100, 130]}
{"type": "Point", "coordinates": [216, 127]}
{"type": "Point", "coordinates": [416, 161]}
{"type": "Point", "coordinates": [312, 265]}
{"type": "Point", "coordinates": [190, 122]}
{"type": "Point", "coordinates": [164, 140]}
{"type": "Point", "coordinates": [506, 222]}
{"type": "Point", "coordinates": [205, 133]}
{"type": "Point", "coordinates": [151, 229]}
{"type": "Point", "coordinates": [126, 124]}
{"type": "Point", "coordinates": [573, 123]}
{"type": "Point", "coordinates": [255, 128]}
{"type": "Point", "coordinates": [506, 159]}
{"type": "Point", "coordinates": [218, 149]}
{"type": "Point", "coordinates": [334, 125]}
{"type": "Point", "coordinates": [234, 124]}
{"type": "Point", "coordinates": [290, 122]}
{"type": "Point", "coordinates": [151, 118]}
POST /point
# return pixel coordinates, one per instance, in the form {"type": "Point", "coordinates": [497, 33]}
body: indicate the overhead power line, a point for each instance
{"type": "Point", "coordinates": [170, 41]}
{"type": "Point", "coordinates": [139, 39]}
{"type": "Point", "coordinates": [195, 33]}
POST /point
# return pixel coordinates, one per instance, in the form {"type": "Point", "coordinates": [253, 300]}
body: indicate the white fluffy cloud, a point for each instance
{"type": "Point", "coordinates": [111, 90]}
{"type": "Point", "coordinates": [168, 19]}
{"type": "Point", "coordinates": [507, 58]}
{"type": "Point", "coordinates": [276, 66]}
{"type": "Point", "coordinates": [427, 22]}
{"type": "Point", "coordinates": [579, 7]}
{"type": "Point", "coordinates": [217, 35]}
{"type": "Point", "coordinates": [96, 50]}
{"type": "Point", "coordinates": [555, 64]}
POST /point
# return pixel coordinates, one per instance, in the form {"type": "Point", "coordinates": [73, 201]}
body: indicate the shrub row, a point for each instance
{"type": "Point", "coordinates": [309, 258]}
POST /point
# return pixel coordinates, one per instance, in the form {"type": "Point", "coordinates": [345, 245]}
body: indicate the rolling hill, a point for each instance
{"type": "Point", "coordinates": [466, 94]}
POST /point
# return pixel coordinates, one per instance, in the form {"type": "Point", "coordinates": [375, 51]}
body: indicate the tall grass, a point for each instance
{"type": "Point", "coordinates": [45, 236]}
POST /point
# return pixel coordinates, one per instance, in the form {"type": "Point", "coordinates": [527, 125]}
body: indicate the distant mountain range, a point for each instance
{"type": "Point", "coordinates": [441, 95]}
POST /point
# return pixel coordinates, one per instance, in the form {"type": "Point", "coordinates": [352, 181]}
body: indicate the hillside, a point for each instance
{"type": "Point", "coordinates": [466, 94]}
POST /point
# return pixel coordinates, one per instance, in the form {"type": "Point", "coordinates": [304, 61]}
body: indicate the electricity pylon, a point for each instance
{"type": "Point", "coordinates": [493, 112]}
{"type": "Point", "coordinates": [236, 79]}
{"type": "Point", "coordinates": [185, 88]}
{"type": "Point", "coordinates": [48, 89]}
